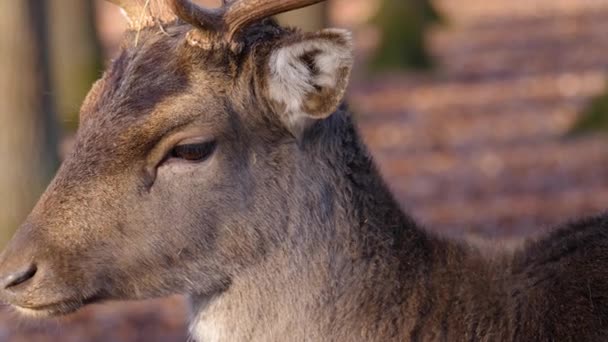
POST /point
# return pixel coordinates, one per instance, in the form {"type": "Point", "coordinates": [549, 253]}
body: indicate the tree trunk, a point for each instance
{"type": "Point", "coordinates": [75, 55]}
{"type": "Point", "coordinates": [310, 18]}
{"type": "Point", "coordinates": [28, 153]}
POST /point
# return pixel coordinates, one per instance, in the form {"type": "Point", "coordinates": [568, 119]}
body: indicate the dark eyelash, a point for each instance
{"type": "Point", "coordinates": [193, 152]}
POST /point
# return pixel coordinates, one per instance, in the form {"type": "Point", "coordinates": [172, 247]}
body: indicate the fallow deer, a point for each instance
{"type": "Point", "coordinates": [215, 159]}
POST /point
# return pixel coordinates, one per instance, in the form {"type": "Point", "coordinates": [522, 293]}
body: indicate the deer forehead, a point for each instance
{"type": "Point", "coordinates": [144, 96]}
{"type": "Point", "coordinates": [155, 84]}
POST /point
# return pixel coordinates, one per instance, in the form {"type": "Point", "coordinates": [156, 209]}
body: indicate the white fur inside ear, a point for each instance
{"type": "Point", "coordinates": [291, 80]}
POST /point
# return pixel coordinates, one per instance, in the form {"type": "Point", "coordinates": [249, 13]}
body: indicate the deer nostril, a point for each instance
{"type": "Point", "coordinates": [19, 277]}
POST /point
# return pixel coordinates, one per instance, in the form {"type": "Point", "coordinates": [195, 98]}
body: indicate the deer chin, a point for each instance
{"type": "Point", "coordinates": [57, 308]}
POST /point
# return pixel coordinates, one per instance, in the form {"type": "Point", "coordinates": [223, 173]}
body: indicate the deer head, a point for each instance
{"type": "Point", "coordinates": [183, 159]}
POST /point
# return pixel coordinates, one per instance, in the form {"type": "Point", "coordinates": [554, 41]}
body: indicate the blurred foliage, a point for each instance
{"type": "Point", "coordinates": [403, 25]}
{"type": "Point", "coordinates": [594, 118]}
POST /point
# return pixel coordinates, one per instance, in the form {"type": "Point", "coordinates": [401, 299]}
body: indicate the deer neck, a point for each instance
{"type": "Point", "coordinates": [346, 236]}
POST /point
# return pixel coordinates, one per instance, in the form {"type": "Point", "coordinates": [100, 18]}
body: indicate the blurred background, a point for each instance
{"type": "Point", "coordinates": [487, 118]}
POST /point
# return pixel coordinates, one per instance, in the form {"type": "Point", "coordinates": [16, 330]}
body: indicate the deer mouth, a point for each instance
{"type": "Point", "coordinates": [58, 308]}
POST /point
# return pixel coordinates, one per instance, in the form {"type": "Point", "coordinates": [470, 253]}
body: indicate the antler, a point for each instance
{"type": "Point", "coordinates": [226, 20]}
{"type": "Point", "coordinates": [234, 15]}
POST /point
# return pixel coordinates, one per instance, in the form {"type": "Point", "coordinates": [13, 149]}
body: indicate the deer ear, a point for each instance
{"type": "Point", "coordinates": [307, 76]}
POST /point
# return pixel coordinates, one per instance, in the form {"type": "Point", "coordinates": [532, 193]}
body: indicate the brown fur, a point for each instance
{"type": "Point", "coordinates": [276, 237]}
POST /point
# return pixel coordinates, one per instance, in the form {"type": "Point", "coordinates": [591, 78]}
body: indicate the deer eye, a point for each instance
{"type": "Point", "coordinates": [193, 152]}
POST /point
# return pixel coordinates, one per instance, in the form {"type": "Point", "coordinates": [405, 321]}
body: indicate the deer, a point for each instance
{"type": "Point", "coordinates": [216, 158]}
